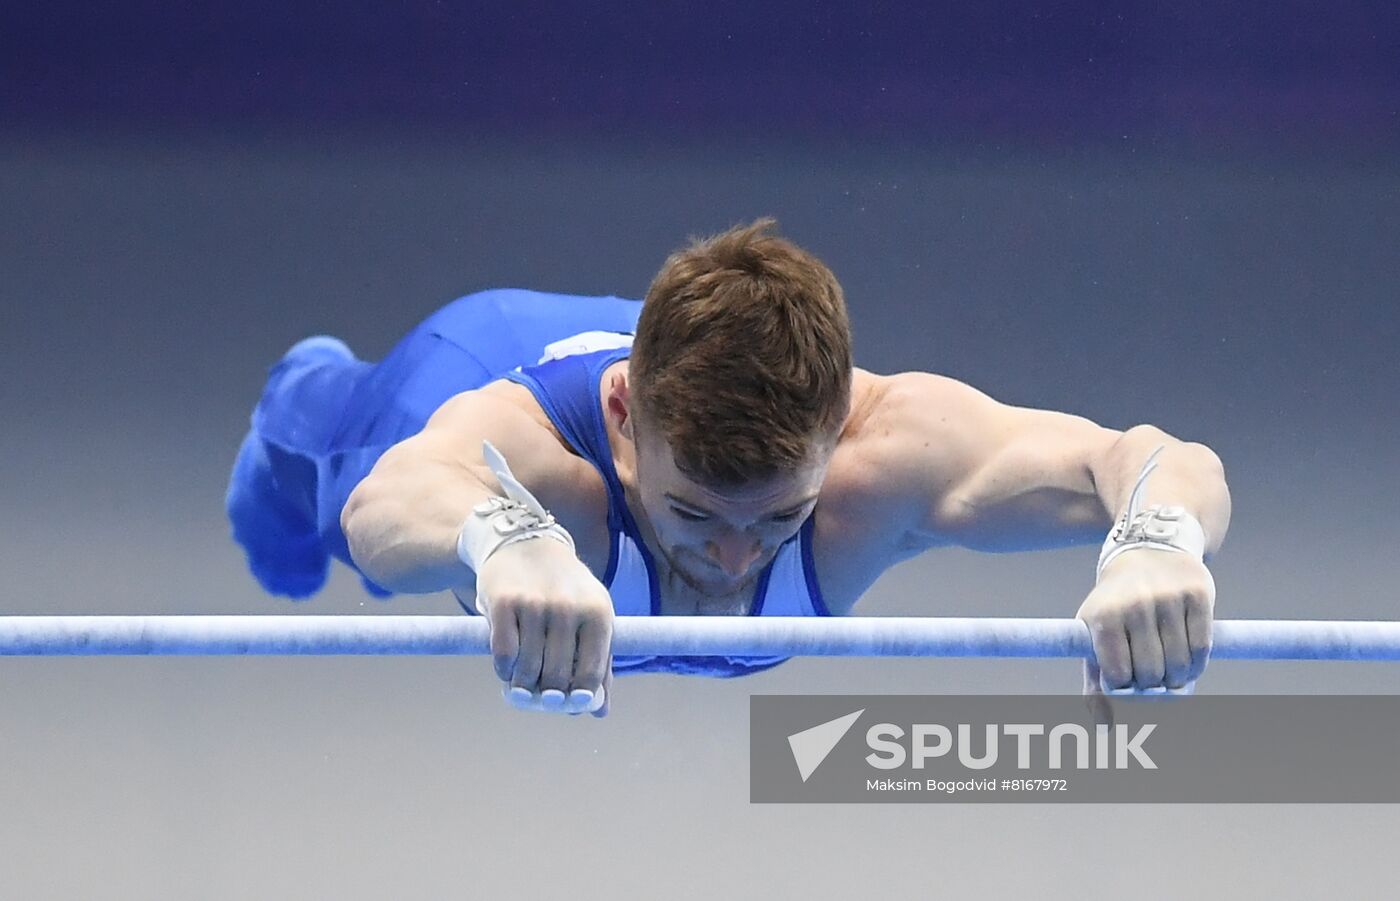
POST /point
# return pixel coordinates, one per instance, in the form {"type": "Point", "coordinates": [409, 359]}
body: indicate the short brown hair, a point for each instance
{"type": "Point", "coordinates": [742, 357]}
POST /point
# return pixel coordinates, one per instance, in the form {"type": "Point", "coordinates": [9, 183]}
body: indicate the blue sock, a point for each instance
{"type": "Point", "coordinates": [284, 551]}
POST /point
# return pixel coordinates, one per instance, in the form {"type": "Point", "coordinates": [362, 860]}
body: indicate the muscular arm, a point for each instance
{"type": "Point", "coordinates": [994, 477]}
{"type": "Point", "coordinates": [402, 520]}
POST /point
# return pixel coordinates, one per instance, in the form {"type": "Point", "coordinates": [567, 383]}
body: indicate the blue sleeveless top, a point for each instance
{"type": "Point", "coordinates": [568, 389]}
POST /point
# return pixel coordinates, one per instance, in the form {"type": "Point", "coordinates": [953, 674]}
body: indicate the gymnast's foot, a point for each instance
{"type": "Point", "coordinates": [272, 492]}
{"type": "Point", "coordinates": [308, 350]}
{"type": "Point", "coordinates": [284, 550]}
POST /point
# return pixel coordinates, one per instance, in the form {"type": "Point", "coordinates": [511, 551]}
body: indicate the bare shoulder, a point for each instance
{"type": "Point", "coordinates": [852, 544]}
{"type": "Point", "coordinates": [927, 461]}
{"type": "Point", "coordinates": [911, 438]}
{"type": "Point", "coordinates": [926, 436]}
{"type": "Point", "coordinates": [899, 423]}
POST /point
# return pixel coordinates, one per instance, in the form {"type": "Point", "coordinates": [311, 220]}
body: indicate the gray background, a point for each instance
{"type": "Point", "coordinates": [1183, 218]}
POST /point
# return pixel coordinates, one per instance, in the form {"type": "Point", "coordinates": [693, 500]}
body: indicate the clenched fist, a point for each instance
{"type": "Point", "coordinates": [1150, 619]}
{"type": "Point", "coordinates": [551, 627]}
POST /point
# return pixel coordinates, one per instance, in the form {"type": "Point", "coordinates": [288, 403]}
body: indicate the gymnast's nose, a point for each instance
{"type": "Point", "coordinates": [734, 552]}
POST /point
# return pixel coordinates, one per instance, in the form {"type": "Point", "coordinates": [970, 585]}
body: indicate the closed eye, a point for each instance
{"type": "Point", "coordinates": [688, 516]}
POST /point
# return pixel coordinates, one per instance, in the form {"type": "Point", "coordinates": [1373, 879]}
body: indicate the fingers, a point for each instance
{"type": "Point", "coordinates": [554, 658]}
{"type": "Point", "coordinates": [1130, 654]}
{"type": "Point", "coordinates": [593, 668]}
{"type": "Point", "coordinates": [505, 642]}
{"type": "Point", "coordinates": [544, 665]}
{"type": "Point", "coordinates": [1154, 647]}
{"type": "Point", "coordinates": [603, 708]}
{"type": "Point", "coordinates": [1176, 650]}
{"type": "Point", "coordinates": [530, 659]}
{"type": "Point", "coordinates": [1112, 654]}
{"type": "Point", "coordinates": [1145, 647]}
{"type": "Point", "coordinates": [1200, 617]}
{"type": "Point", "coordinates": [561, 640]}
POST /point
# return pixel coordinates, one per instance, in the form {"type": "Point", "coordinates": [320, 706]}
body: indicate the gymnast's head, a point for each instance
{"type": "Point", "coordinates": [736, 391]}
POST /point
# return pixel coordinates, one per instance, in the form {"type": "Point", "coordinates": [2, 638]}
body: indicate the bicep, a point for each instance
{"type": "Point", "coordinates": [992, 476]}
{"type": "Point", "coordinates": [443, 465]}
{"type": "Point", "coordinates": [504, 414]}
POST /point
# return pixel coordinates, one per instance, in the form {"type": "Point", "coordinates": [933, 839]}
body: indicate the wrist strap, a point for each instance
{"type": "Point", "coordinates": [1160, 527]}
{"type": "Point", "coordinates": [500, 521]}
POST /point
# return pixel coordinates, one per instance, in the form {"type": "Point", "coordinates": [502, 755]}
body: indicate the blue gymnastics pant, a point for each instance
{"type": "Point", "coordinates": [325, 417]}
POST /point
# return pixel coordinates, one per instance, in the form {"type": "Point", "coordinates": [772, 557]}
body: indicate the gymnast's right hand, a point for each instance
{"type": "Point", "coordinates": [551, 627]}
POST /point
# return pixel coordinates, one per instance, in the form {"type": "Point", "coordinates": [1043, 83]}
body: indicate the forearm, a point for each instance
{"type": "Point", "coordinates": [402, 523]}
{"type": "Point", "coordinates": [1188, 475]}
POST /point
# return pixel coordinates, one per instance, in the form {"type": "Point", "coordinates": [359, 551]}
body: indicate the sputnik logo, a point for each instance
{"type": "Point", "coordinates": [811, 746]}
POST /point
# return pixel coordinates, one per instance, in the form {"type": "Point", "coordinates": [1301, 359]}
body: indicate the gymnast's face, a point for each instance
{"type": "Point", "coordinates": [719, 540]}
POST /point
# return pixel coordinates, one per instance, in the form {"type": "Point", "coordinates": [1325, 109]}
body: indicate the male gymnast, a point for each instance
{"type": "Point", "coordinates": [556, 461]}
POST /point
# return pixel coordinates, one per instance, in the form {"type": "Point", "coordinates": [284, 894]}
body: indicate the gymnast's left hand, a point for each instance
{"type": "Point", "coordinates": [1150, 620]}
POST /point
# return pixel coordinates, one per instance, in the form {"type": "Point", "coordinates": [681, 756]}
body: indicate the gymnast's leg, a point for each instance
{"type": "Point", "coordinates": [325, 418]}
{"type": "Point", "coordinates": [322, 422]}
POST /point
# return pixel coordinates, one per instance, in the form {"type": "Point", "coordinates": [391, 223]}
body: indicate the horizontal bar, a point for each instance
{"type": "Point", "coordinates": [732, 636]}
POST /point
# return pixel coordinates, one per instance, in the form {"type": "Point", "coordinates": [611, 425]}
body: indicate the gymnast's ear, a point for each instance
{"type": "Point", "coordinates": [619, 405]}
